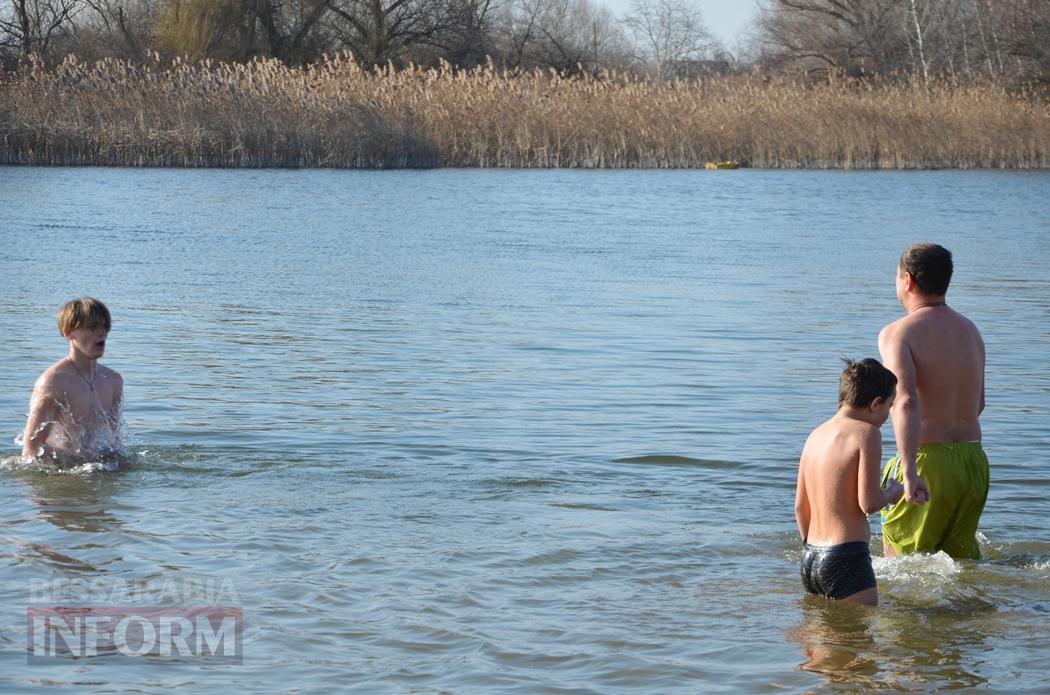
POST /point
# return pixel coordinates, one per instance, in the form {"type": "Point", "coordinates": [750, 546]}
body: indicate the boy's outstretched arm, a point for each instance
{"type": "Point", "coordinates": [802, 509]}
{"type": "Point", "coordinates": [870, 494]}
{"type": "Point", "coordinates": [43, 410]}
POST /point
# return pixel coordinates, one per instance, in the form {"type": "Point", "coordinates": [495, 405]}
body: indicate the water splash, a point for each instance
{"type": "Point", "coordinates": [68, 444]}
{"type": "Point", "coordinates": [934, 583]}
{"type": "Point", "coordinates": [918, 567]}
{"type": "Point", "coordinates": [930, 580]}
{"type": "Point", "coordinates": [29, 464]}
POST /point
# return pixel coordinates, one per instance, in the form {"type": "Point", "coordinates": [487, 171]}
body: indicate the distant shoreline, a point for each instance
{"type": "Point", "coordinates": [336, 115]}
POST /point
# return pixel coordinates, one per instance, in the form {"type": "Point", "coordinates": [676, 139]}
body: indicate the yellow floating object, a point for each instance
{"type": "Point", "coordinates": [722, 165]}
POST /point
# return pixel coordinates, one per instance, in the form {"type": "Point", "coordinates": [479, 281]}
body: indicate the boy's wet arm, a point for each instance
{"type": "Point", "coordinates": [43, 410]}
{"type": "Point", "coordinates": [118, 395]}
{"type": "Point", "coordinates": [802, 507]}
{"type": "Point", "coordinates": [869, 489]}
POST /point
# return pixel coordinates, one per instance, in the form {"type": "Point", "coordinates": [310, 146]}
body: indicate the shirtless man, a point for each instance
{"type": "Point", "coordinates": [74, 412]}
{"type": "Point", "coordinates": [938, 357]}
{"type": "Point", "coordinates": [838, 486]}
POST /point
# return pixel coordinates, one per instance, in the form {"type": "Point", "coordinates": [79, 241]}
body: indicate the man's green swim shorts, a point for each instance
{"type": "Point", "coordinates": [957, 476]}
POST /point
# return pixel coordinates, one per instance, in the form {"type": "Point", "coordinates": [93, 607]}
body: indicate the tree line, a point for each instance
{"type": "Point", "coordinates": [922, 39]}
{"type": "Point", "coordinates": [927, 39]}
{"type": "Point", "coordinates": [566, 35]}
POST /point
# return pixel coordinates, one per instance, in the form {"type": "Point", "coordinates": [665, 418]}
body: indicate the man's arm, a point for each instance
{"type": "Point", "coordinates": [43, 410]}
{"type": "Point", "coordinates": [907, 416]}
{"type": "Point", "coordinates": [980, 341]}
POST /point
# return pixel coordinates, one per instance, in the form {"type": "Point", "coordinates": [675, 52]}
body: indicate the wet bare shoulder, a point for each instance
{"type": "Point", "coordinates": [808, 445]}
{"type": "Point", "coordinates": [813, 442]}
{"type": "Point", "coordinates": [856, 432]}
{"type": "Point", "coordinates": [866, 432]}
{"type": "Point", "coordinates": [54, 377]}
{"type": "Point", "coordinates": [110, 374]}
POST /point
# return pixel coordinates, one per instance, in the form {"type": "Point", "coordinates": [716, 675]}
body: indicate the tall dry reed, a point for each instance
{"type": "Point", "coordinates": [335, 114]}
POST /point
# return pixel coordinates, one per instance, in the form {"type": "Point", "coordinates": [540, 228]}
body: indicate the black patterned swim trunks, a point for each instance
{"type": "Point", "coordinates": [837, 571]}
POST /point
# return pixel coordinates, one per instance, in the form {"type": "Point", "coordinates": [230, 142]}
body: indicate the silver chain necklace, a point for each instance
{"type": "Point", "coordinates": [94, 374]}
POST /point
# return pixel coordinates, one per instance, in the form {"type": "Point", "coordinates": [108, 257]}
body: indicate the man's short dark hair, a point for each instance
{"type": "Point", "coordinates": [863, 381]}
{"type": "Point", "coordinates": [930, 265]}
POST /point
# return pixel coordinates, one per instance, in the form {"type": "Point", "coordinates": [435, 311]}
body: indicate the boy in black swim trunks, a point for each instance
{"type": "Point", "coordinates": [839, 486]}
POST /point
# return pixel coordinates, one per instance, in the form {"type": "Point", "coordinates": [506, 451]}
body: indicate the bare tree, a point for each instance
{"type": "Point", "coordinates": [121, 28]}
{"type": "Point", "coordinates": [381, 31]}
{"type": "Point", "coordinates": [30, 26]}
{"type": "Point", "coordinates": [940, 37]}
{"type": "Point", "coordinates": [998, 38]}
{"type": "Point", "coordinates": [668, 33]}
{"type": "Point", "coordinates": [468, 38]}
{"type": "Point", "coordinates": [1025, 28]}
{"type": "Point", "coordinates": [859, 37]}
{"type": "Point", "coordinates": [920, 46]}
{"type": "Point", "coordinates": [607, 44]}
{"type": "Point", "coordinates": [287, 27]}
{"type": "Point", "coordinates": [518, 29]}
{"type": "Point", "coordinates": [567, 35]}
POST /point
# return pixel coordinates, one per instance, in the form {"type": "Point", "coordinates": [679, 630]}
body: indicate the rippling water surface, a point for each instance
{"type": "Point", "coordinates": [491, 431]}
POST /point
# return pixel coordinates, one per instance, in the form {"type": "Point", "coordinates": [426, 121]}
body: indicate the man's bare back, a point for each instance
{"type": "Point", "coordinates": [938, 356]}
{"type": "Point", "coordinates": [941, 352]}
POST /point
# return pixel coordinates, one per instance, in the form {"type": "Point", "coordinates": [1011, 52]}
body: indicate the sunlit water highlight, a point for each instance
{"type": "Point", "coordinates": [466, 431]}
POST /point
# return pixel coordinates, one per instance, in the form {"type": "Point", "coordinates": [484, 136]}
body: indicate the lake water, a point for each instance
{"type": "Point", "coordinates": [509, 431]}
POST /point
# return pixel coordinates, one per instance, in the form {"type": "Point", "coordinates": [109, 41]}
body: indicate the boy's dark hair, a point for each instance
{"type": "Point", "coordinates": [930, 265]}
{"type": "Point", "coordinates": [863, 381]}
{"type": "Point", "coordinates": [83, 313]}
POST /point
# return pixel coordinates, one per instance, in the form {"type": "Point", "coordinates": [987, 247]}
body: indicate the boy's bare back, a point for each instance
{"type": "Point", "coordinates": [838, 486]}
{"type": "Point", "coordinates": [839, 477]}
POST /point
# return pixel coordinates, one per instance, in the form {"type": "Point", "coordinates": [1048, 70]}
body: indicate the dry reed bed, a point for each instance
{"type": "Point", "coordinates": [334, 114]}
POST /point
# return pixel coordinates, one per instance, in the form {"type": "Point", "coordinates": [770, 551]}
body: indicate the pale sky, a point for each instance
{"type": "Point", "coordinates": [725, 18]}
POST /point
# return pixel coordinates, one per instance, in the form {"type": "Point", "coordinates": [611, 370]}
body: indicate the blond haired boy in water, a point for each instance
{"type": "Point", "coordinates": [839, 486]}
{"type": "Point", "coordinates": [74, 412]}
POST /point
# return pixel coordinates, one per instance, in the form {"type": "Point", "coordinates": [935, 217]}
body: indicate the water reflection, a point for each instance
{"type": "Point", "coordinates": [74, 501]}
{"type": "Point", "coordinates": [939, 646]}
{"type": "Point", "coordinates": [77, 501]}
{"type": "Point", "coordinates": [909, 643]}
{"type": "Point", "coordinates": [836, 640]}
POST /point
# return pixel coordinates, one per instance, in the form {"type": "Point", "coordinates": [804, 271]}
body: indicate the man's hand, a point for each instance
{"type": "Point", "coordinates": [915, 490]}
